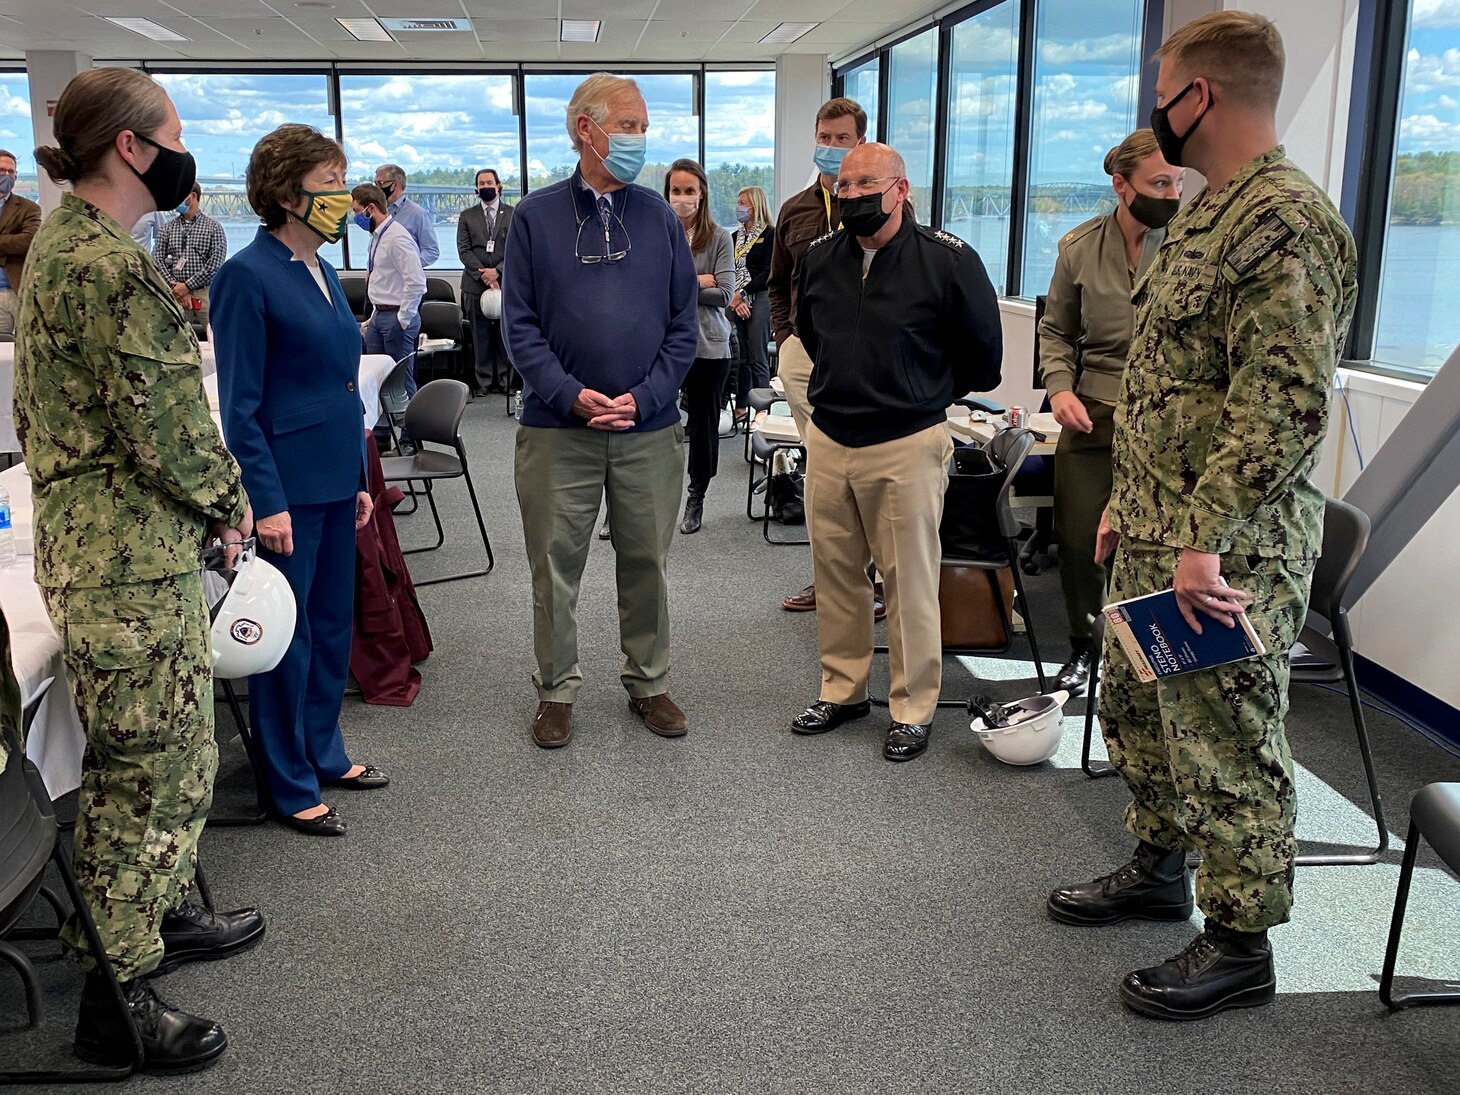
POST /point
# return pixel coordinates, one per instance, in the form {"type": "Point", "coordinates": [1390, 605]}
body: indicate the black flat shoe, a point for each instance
{"type": "Point", "coordinates": [371, 779]}
{"type": "Point", "coordinates": [823, 715]}
{"type": "Point", "coordinates": [190, 933]}
{"type": "Point", "coordinates": [327, 824]}
{"type": "Point", "coordinates": [906, 740]}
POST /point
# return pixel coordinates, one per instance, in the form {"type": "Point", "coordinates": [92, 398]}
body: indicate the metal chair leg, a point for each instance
{"type": "Point", "coordinates": [1095, 769]}
{"type": "Point", "coordinates": [1028, 615]}
{"type": "Point", "coordinates": [1396, 927]}
{"type": "Point", "coordinates": [262, 799]}
{"type": "Point", "coordinates": [435, 516]}
{"type": "Point", "coordinates": [22, 966]}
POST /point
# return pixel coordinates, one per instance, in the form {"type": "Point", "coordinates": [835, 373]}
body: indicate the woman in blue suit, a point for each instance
{"type": "Point", "coordinates": [288, 352]}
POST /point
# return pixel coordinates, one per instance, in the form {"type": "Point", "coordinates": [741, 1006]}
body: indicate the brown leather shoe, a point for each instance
{"type": "Point", "coordinates": [661, 715]}
{"type": "Point", "coordinates": [805, 601]}
{"type": "Point", "coordinates": [552, 726]}
{"type": "Point", "coordinates": [879, 602]}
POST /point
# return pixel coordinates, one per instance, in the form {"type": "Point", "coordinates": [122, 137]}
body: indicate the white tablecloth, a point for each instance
{"type": "Point", "coordinates": [57, 741]}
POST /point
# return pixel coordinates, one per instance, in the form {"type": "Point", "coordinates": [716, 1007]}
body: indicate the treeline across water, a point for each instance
{"type": "Point", "coordinates": [1426, 189]}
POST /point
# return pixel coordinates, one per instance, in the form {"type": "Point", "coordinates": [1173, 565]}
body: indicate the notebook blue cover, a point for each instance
{"type": "Point", "coordinates": [1160, 643]}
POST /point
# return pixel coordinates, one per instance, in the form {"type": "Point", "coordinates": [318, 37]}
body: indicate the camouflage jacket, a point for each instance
{"type": "Point", "coordinates": [1239, 325]}
{"type": "Point", "coordinates": [128, 468]}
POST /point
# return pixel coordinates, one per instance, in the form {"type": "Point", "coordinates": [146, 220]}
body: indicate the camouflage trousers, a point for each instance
{"type": "Point", "coordinates": [142, 678]}
{"type": "Point", "coordinates": [1205, 754]}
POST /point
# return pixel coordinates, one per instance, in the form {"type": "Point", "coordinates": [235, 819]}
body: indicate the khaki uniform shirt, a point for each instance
{"type": "Point", "coordinates": [128, 468]}
{"type": "Point", "coordinates": [1085, 333]}
{"type": "Point", "coordinates": [1239, 325]}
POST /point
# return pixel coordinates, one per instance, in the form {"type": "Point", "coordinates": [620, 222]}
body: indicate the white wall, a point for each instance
{"type": "Point", "coordinates": [48, 72]}
{"type": "Point", "coordinates": [803, 83]}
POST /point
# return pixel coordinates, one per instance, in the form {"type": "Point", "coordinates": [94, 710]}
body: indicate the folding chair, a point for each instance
{"type": "Point", "coordinates": [434, 417]}
{"type": "Point", "coordinates": [762, 455]}
{"type": "Point", "coordinates": [1434, 814]}
{"type": "Point", "coordinates": [28, 841]}
{"type": "Point", "coordinates": [980, 531]}
{"type": "Point", "coordinates": [440, 322]}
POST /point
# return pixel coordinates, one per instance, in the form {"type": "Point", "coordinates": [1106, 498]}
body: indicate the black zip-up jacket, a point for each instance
{"type": "Point", "coordinates": [890, 352]}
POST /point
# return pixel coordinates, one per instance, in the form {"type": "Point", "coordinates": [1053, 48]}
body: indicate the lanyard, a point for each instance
{"type": "Point", "coordinates": [826, 197]}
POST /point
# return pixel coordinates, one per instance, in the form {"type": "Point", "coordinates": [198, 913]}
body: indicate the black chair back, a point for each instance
{"type": "Point", "coordinates": [441, 319]}
{"type": "Point", "coordinates": [1345, 536]}
{"type": "Point", "coordinates": [27, 828]}
{"type": "Point", "coordinates": [435, 412]}
{"type": "Point", "coordinates": [439, 289]}
{"type": "Point", "coordinates": [1009, 448]}
{"type": "Point", "coordinates": [354, 290]}
{"type": "Point", "coordinates": [393, 397]}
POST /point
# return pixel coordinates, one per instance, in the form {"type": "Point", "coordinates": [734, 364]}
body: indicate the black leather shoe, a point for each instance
{"type": "Point", "coordinates": [1155, 885]}
{"type": "Point", "coordinates": [823, 715]}
{"type": "Point", "coordinates": [1074, 675]}
{"type": "Point", "coordinates": [694, 513]}
{"type": "Point", "coordinates": [906, 740]}
{"type": "Point", "coordinates": [371, 779]}
{"type": "Point", "coordinates": [190, 933]}
{"type": "Point", "coordinates": [328, 823]}
{"type": "Point", "coordinates": [172, 1040]}
{"type": "Point", "coordinates": [1221, 969]}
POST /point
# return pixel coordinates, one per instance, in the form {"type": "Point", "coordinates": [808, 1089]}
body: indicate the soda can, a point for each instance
{"type": "Point", "coordinates": [1017, 417]}
{"type": "Point", "coordinates": [195, 304]}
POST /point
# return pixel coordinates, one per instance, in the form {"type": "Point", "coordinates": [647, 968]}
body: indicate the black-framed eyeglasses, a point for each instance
{"type": "Point", "coordinates": [841, 186]}
{"type": "Point", "coordinates": [615, 244]}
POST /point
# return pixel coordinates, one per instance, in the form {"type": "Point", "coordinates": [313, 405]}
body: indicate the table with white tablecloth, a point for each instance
{"type": "Point", "coordinates": [57, 741]}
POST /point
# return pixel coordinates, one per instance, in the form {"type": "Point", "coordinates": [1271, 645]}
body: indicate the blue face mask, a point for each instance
{"type": "Point", "coordinates": [626, 153]}
{"type": "Point", "coordinates": [183, 208]}
{"type": "Point", "coordinates": [363, 221]}
{"type": "Point", "coordinates": [742, 214]}
{"type": "Point", "coordinates": [829, 158]}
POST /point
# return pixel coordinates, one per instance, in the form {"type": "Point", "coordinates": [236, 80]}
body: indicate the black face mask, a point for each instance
{"type": "Point", "coordinates": [864, 216]}
{"type": "Point", "coordinates": [386, 188]}
{"type": "Point", "coordinates": [170, 178]}
{"type": "Point", "coordinates": [1153, 212]}
{"type": "Point", "coordinates": [1171, 144]}
{"type": "Point", "coordinates": [488, 194]}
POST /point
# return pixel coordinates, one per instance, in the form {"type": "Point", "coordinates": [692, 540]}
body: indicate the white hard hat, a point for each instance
{"type": "Point", "coordinates": [1030, 730]}
{"type": "Point", "coordinates": [253, 623]}
{"type": "Point", "coordinates": [492, 303]}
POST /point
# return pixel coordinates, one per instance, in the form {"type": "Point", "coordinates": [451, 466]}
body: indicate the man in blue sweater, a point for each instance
{"type": "Point", "coordinates": [601, 321]}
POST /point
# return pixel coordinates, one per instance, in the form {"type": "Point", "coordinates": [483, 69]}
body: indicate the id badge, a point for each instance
{"type": "Point", "coordinates": [491, 246]}
{"type": "Point", "coordinates": [178, 265]}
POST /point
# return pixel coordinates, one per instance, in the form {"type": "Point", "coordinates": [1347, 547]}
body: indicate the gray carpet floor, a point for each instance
{"type": "Point", "coordinates": [743, 910]}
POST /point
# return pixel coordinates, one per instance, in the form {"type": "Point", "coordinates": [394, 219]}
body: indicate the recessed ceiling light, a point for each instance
{"type": "Point", "coordinates": [366, 30]}
{"type": "Point", "coordinates": [579, 30]}
{"type": "Point", "coordinates": [147, 28]}
{"type": "Point", "coordinates": [415, 25]}
{"type": "Point", "coordinates": [316, 5]}
{"type": "Point", "coordinates": [788, 32]}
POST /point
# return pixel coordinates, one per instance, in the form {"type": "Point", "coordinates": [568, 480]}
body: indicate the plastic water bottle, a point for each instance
{"type": "Point", "coordinates": [7, 530]}
{"type": "Point", "coordinates": [517, 404]}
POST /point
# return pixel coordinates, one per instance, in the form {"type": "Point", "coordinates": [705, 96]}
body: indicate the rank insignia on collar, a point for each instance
{"type": "Point", "coordinates": [949, 238]}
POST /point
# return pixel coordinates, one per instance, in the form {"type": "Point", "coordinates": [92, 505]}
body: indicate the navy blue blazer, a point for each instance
{"type": "Point", "coordinates": [288, 368]}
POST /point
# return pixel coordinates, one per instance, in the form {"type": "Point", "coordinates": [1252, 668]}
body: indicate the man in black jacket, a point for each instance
{"type": "Point", "coordinates": [481, 244]}
{"type": "Point", "coordinates": [898, 320]}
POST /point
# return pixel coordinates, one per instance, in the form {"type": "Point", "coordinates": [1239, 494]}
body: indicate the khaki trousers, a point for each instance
{"type": "Point", "coordinates": [562, 475]}
{"type": "Point", "coordinates": [879, 503]}
{"type": "Point", "coordinates": [10, 312]}
{"type": "Point", "coordinates": [795, 373]}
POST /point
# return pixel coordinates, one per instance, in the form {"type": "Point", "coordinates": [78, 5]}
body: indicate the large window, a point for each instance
{"type": "Point", "coordinates": [440, 129]}
{"type": "Point", "coordinates": [912, 112]}
{"type": "Point", "coordinates": [1086, 88]}
{"type": "Point", "coordinates": [862, 83]}
{"type": "Point", "coordinates": [978, 174]}
{"type": "Point", "coordinates": [740, 134]}
{"type": "Point", "coordinates": [17, 134]}
{"type": "Point", "coordinates": [1418, 322]}
{"type": "Point", "coordinates": [223, 116]}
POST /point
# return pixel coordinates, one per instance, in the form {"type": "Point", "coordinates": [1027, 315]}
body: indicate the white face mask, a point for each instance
{"type": "Point", "coordinates": [684, 207]}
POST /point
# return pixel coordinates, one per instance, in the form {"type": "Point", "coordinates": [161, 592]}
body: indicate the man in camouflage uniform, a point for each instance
{"type": "Point", "coordinates": [1239, 324]}
{"type": "Point", "coordinates": [129, 474]}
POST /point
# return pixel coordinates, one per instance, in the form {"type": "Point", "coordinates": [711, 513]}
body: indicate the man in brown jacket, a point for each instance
{"type": "Point", "coordinates": [19, 219]}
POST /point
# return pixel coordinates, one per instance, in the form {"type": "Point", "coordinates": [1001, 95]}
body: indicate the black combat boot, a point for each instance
{"type": "Point", "coordinates": [694, 511]}
{"type": "Point", "coordinates": [1155, 885]}
{"type": "Point", "coordinates": [1074, 675]}
{"type": "Point", "coordinates": [1221, 969]}
{"type": "Point", "coordinates": [172, 1040]}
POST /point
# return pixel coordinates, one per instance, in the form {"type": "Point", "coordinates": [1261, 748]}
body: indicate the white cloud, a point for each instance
{"type": "Point", "coordinates": [1425, 132]}
{"type": "Point", "coordinates": [1436, 13]}
{"type": "Point", "coordinates": [1078, 110]}
{"type": "Point", "coordinates": [1428, 71]}
{"type": "Point", "coordinates": [1111, 47]}
{"type": "Point", "coordinates": [1060, 83]}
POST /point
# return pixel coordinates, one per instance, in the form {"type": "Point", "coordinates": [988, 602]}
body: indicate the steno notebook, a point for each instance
{"type": "Point", "coordinates": [1160, 643]}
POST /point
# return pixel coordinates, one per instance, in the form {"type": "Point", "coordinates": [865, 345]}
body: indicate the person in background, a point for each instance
{"type": "Point", "coordinates": [394, 285]}
{"type": "Point", "coordinates": [481, 244]}
{"type": "Point", "coordinates": [841, 125]}
{"type": "Point", "coordinates": [881, 289]}
{"type": "Point", "coordinates": [19, 220]}
{"type": "Point", "coordinates": [1223, 411]}
{"type": "Point", "coordinates": [129, 479]}
{"type": "Point", "coordinates": [686, 189]}
{"type": "Point", "coordinates": [1083, 341]}
{"type": "Point", "coordinates": [391, 179]}
{"type": "Point", "coordinates": [600, 313]}
{"type": "Point", "coordinates": [190, 249]}
{"type": "Point", "coordinates": [750, 306]}
{"type": "Point", "coordinates": [288, 361]}
{"type": "Point", "coordinates": [148, 227]}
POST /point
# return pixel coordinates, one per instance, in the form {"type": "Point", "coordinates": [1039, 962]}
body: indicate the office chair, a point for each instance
{"type": "Point", "coordinates": [1434, 814]}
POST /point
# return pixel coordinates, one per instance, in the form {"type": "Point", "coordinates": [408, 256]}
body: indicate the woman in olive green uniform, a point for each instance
{"type": "Point", "coordinates": [1083, 341]}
